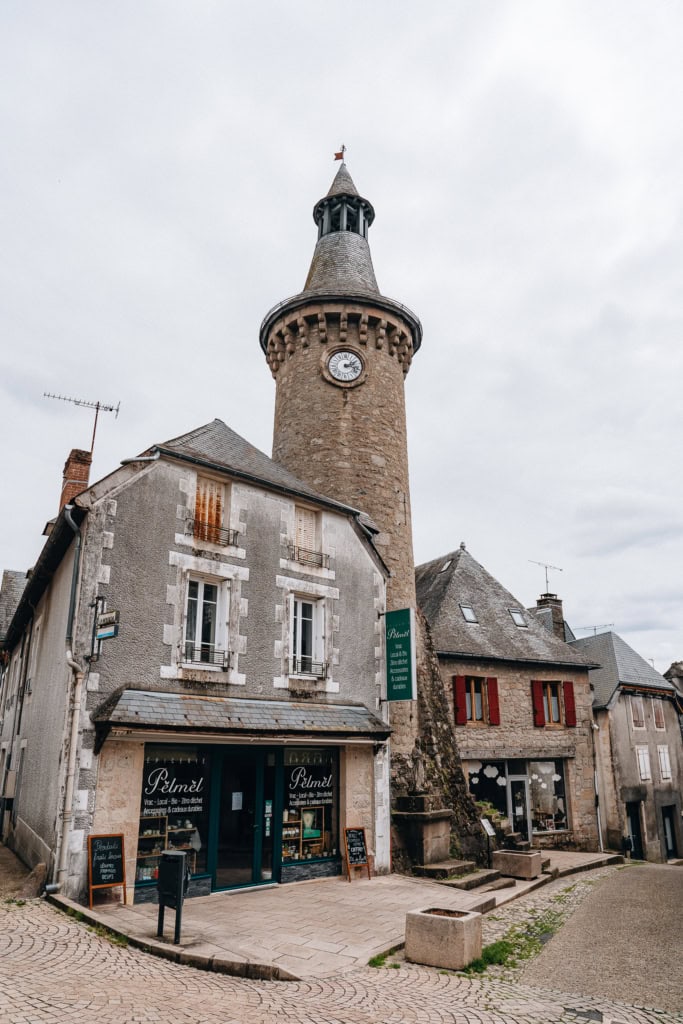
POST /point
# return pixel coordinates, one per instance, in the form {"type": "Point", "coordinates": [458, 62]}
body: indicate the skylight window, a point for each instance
{"type": "Point", "coordinates": [468, 613]}
{"type": "Point", "coordinates": [517, 617]}
{"type": "Point", "coordinates": [446, 565]}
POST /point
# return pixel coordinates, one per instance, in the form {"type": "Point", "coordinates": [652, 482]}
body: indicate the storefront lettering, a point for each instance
{"type": "Point", "coordinates": [300, 779]}
{"type": "Point", "coordinates": [159, 779]}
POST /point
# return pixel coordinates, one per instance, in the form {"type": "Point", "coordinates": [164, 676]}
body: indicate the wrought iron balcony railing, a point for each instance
{"type": "Point", "coordinates": [306, 557]}
{"type": "Point", "coordinates": [307, 667]}
{"type": "Point", "coordinates": [201, 530]}
{"type": "Point", "coordinates": [206, 654]}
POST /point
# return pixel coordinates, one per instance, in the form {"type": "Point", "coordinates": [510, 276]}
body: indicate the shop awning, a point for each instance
{"type": "Point", "coordinates": [136, 712]}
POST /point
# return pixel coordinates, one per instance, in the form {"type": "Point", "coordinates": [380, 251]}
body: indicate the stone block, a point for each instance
{"type": "Point", "coordinates": [437, 937]}
{"type": "Point", "coordinates": [518, 863]}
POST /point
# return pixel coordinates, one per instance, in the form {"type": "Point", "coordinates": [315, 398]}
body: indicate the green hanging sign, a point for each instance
{"type": "Point", "coordinates": [400, 648]}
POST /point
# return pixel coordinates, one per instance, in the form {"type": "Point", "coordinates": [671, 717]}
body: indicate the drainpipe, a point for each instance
{"type": "Point", "coordinates": [75, 711]}
{"type": "Point", "coordinates": [596, 728]}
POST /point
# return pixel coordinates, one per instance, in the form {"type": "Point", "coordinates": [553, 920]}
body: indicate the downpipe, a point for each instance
{"type": "Point", "coordinates": [75, 713]}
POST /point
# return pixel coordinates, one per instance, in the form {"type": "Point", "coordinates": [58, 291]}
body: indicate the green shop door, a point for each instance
{"type": "Point", "coordinates": [242, 817]}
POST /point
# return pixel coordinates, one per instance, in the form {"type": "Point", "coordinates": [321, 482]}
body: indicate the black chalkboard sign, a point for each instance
{"type": "Point", "coordinates": [356, 850]}
{"type": "Point", "coordinates": [106, 863]}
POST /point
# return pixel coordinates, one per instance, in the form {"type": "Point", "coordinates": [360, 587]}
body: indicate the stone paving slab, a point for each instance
{"type": "Point", "coordinates": [285, 932]}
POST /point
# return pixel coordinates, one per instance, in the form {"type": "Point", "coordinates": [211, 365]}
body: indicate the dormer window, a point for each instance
{"type": "Point", "coordinates": [517, 617]}
{"type": "Point", "coordinates": [468, 613]}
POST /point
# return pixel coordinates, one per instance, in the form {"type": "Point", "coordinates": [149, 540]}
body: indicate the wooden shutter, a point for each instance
{"type": "Point", "coordinates": [305, 529]}
{"type": "Point", "coordinates": [492, 697]}
{"type": "Point", "coordinates": [537, 702]}
{"type": "Point", "coordinates": [459, 700]}
{"type": "Point", "coordinates": [569, 704]}
{"type": "Point", "coordinates": [208, 510]}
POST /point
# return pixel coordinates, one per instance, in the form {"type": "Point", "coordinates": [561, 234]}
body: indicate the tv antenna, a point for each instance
{"type": "Point", "coordinates": [602, 625]}
{"type": "Point", "coordinates": [546, 566]}
{"type": "Point", "coordinates": [97, 406]}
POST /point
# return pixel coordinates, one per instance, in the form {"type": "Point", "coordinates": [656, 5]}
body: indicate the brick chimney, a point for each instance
{"type": "Point", "coordinates": [553, 602]}
{"type": "Point", "coordinates": [76, 475]}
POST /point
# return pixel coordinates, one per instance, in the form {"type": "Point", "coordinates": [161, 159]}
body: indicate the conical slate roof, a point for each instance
{"type": "Point", "coordinates": [446, 584]}
{"type": "Point", "coordinates": [619, 663]}
{"type": "Point", "coordinates": [342, 266]}
{"type": "Point", "coordinates": [343, 184]}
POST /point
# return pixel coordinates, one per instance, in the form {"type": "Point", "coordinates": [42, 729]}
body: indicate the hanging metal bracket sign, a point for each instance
{"type": "Point", "coordinates": [107, 625]}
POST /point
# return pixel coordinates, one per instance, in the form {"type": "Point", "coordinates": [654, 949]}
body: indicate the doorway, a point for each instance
{"type": "Point", "coordinates": [634, 830]}
{"type": "Point", "coordinates": [668, 820]}
{"type": "Point", "coordinates": [518, 809]}
{"type": "Point", "coordinates": [242, 817]}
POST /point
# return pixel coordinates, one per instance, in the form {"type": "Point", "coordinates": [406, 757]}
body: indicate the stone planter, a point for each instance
{"type": "Point", "coordinates": [518, 863]}
{"type": "Point", "coordinates": [443, 938]}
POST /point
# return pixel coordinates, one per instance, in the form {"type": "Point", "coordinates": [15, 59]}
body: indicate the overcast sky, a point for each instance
{"type": "Point", "coordinates": [525, 159]}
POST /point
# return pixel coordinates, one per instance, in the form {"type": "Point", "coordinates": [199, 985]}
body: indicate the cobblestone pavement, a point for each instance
{"type": "Point", "coordinates": [55, 970]}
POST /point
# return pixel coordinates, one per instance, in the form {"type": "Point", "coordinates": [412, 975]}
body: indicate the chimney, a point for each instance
{"type": "Point", "coordinates": [76, 475]}
{"type": "Point", "coordinates": [553, 602]}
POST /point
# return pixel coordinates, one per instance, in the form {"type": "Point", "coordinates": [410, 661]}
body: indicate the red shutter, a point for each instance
{"type": "Point", "coordinates": [537, 702]}
{"type": "Point", "coordinates": [492, 696]}
{"type": "Point", "coordinates": [459, 701]}
{"type": "Point", "coordinates": [569, 704]}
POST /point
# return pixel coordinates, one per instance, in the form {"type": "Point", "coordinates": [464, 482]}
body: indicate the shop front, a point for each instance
{"type": "Point", "coordinates": [243, 815]}
{"type": "Point", "coordinates": [246, 809]}
{"type": "Point", "coordinates": [530, 794]}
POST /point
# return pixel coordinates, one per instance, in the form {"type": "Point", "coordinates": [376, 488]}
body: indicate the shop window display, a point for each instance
{"type": "Point", "coordinates": [547, 796]}
{"type": "Point", "coordinates": [310, 806]}
{"type": "Point", "coordinates": [174, 810]}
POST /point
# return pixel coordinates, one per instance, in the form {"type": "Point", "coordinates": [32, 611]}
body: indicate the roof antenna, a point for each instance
{"type": "Point", "coordinates": [88, 405]}
{"type": "Point", "coordinates": [602, 625]}
{"type": "Point", "coordinates": [546, 566]}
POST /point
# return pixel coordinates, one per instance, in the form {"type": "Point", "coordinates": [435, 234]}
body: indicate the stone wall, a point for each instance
{"type": "Point", "coordinates": [517, 738]}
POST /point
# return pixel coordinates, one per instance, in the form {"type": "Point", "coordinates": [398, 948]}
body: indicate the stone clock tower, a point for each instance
{"type": "Point", "coordinates": [339, 352]}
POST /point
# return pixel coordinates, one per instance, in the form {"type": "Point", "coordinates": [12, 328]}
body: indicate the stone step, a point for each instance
{"type": "Point", "coordinates": [474, 880]}
{"type": "Point", "coordinates": [445, 868]}
{"type": "Point", "coordinates": [501, 883]}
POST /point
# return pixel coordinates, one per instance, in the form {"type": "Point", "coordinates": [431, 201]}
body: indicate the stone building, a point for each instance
{"type": "Point", "coordinates": [235, 714]}
{"type": "Point", "coordinates": [639, 750]}
{"type": "Point", "coordinates": [520, 711]}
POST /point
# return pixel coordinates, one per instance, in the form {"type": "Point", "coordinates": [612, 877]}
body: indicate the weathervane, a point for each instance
{"type": "Point", "coordinates": [546, 566]}
{"type": "Point", "coordinates": [88, 405]}
{"type": "Point", "coordinates": [340, 154]}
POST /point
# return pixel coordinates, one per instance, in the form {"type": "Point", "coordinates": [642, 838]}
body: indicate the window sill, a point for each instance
{"type": "Point", "coordinates": [202, 666]}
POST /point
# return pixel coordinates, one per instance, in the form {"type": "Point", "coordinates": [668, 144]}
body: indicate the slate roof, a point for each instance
{"type": "Point", "coordinates": [215, 445]}
{"type": "Point", "coordinates": [343, 183]}
{"type": "Point", "coordinates": [342, 266]}
{"type": "Point", "coordinates": [545, 617]}
{"type": "Point", "coordinates": [619, 663]}
{"type": "Point", "coordinates": [457, 578]}
{"type": "Point", "coordinates": [11, 589]}
{"type": "Point", "coordinates": [176, 711]}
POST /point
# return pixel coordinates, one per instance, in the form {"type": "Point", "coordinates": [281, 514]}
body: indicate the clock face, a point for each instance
{"type": "Point", "coordinates": [345, 366]}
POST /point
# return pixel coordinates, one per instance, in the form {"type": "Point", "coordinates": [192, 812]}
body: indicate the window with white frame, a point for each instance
{"type": "Point", "coordinates": [643, 755]}
{"type": "Point", "coordinates": [205, 640]}
{"type": "Point", "coordinates": [637, 712]}
{"type": "Point", "coordinates": [306, 623]}
{"type": "Point", "coordinates": [658, 713]}
{"type": "Point", "coordinates": [664, 762]}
